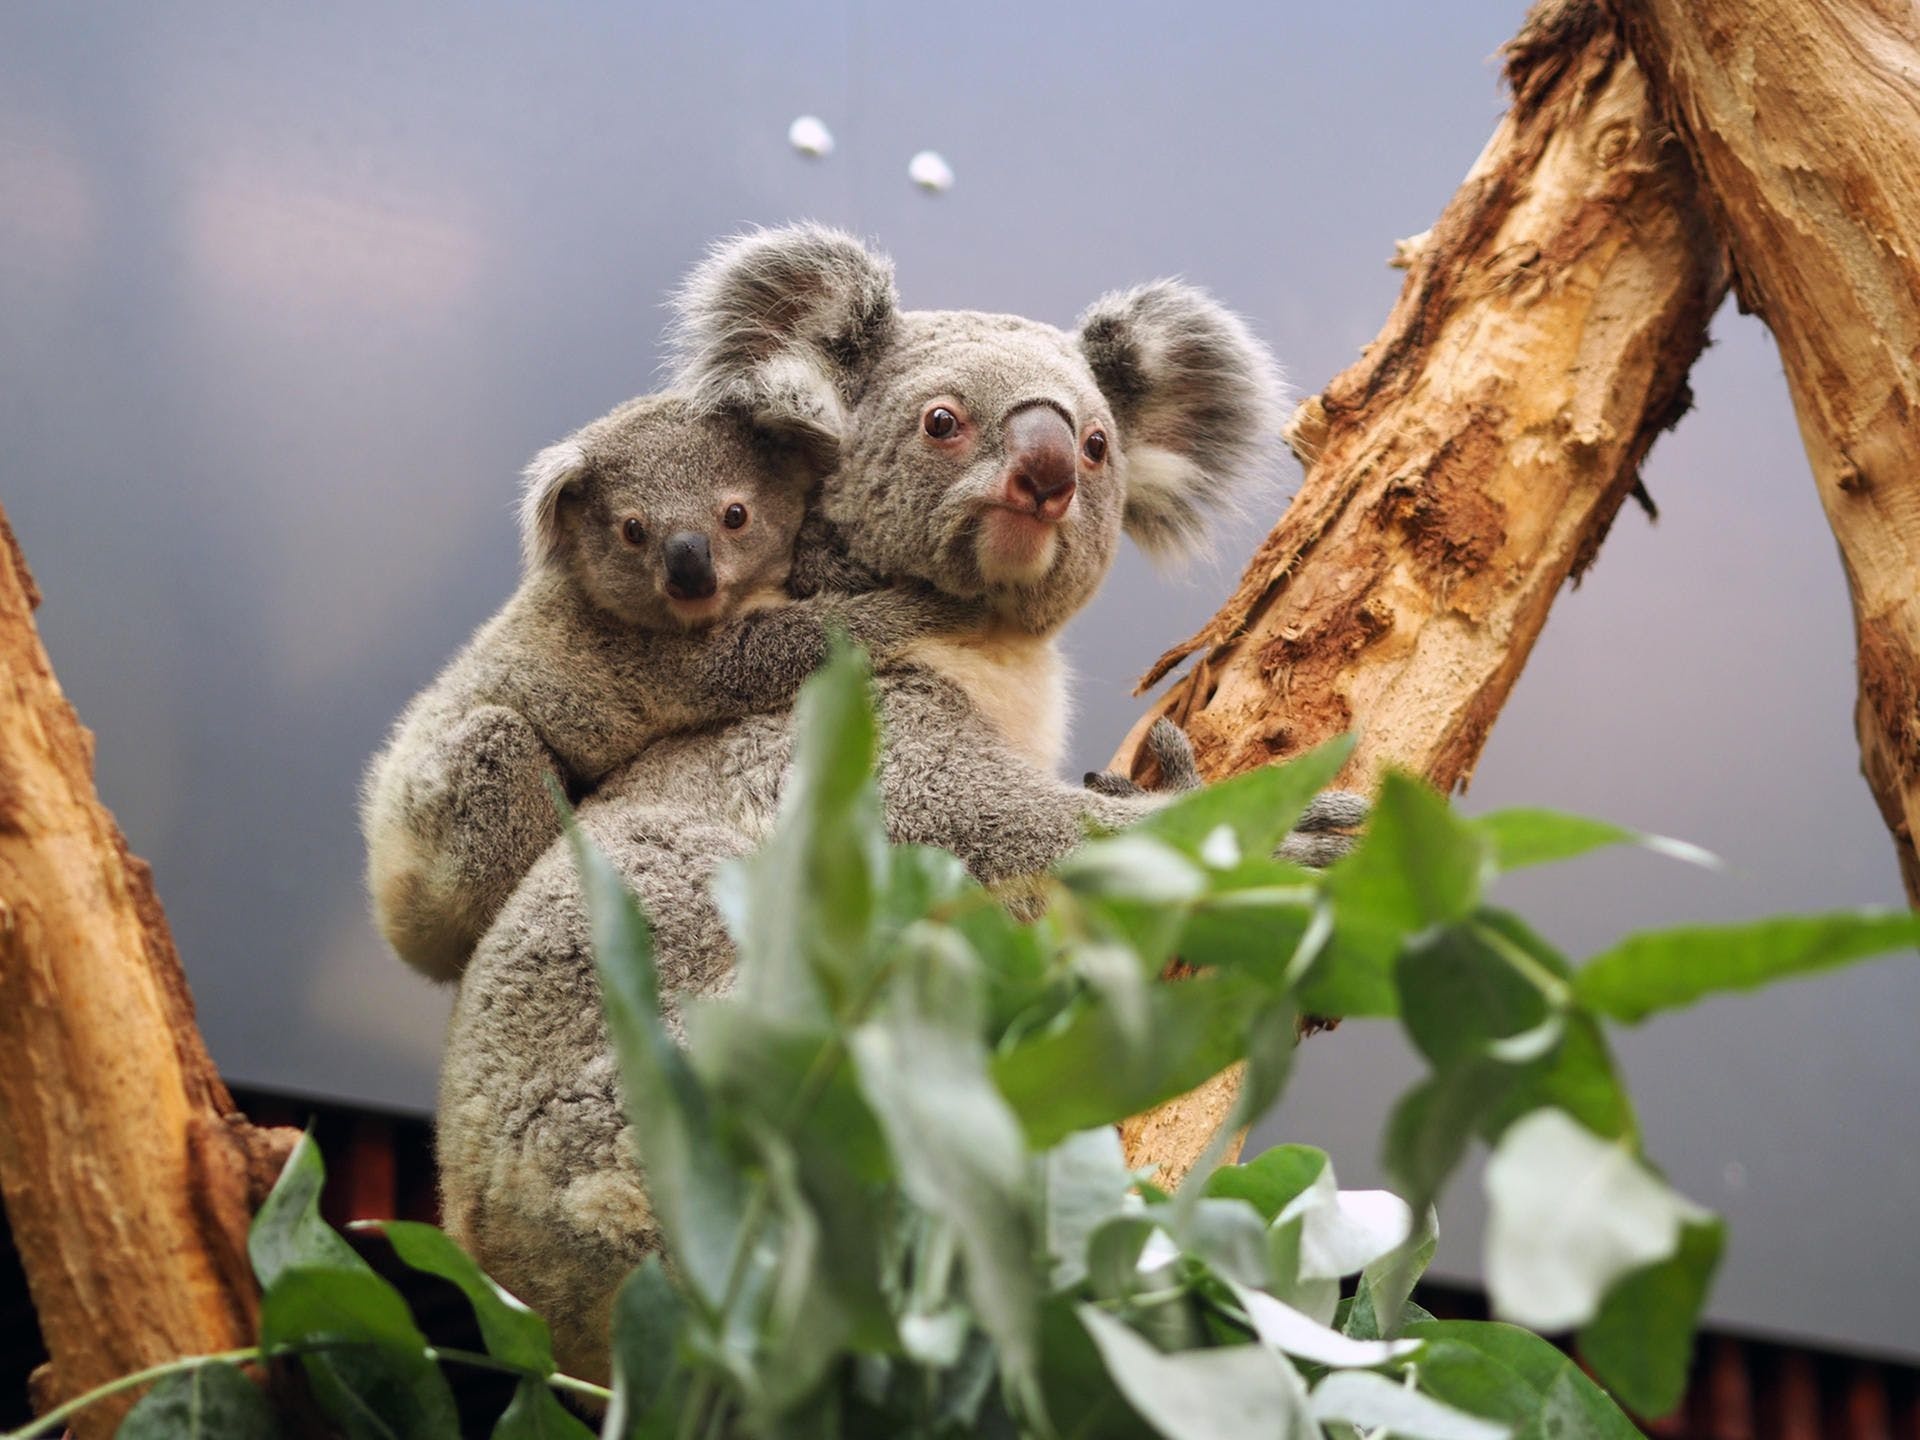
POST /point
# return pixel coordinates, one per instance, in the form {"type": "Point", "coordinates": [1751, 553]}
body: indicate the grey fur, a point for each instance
{"type": "Point", "coordinates": [1167, 743]}
{"type": "Point", "coordinates": [590, 660]}
{"type": "Point", "coordinates": [535, 1159]}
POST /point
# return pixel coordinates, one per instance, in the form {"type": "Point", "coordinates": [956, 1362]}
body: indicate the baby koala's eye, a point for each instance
{"type": "Point", "coordinates": [734, 516]}
{"type": "Point", "coordinates": [941, 423]}
{"type": "Point", "coordinates": [632, 531]}
{"type": "Point", "coordinates": [1094, 447]}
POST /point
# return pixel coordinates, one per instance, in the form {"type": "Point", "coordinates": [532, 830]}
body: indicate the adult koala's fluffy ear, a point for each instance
{"type": "Point", "coordinates": [783, 323]}
{"type": "Point", "coordinates": [545, 480]}
{"type": "Point", "coordinates": [1199, 402]}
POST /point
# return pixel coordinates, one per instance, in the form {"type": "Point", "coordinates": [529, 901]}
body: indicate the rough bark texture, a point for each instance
{"type": "Point", "coordinates": [129, 1177]}
{"type": "Point", "coordinates": [1472, 461]}
{"type": "Point", "coordinates": [1803, 119]}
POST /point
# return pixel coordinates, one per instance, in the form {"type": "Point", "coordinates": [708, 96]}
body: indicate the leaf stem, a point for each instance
{"type": "Point", "coordinates": [253, 1354]}
{"type": "Point", "coordinates": [474, 1358]}
{"type": "Point", "coordinates": [1558, 993]}
{"type": "Point", "coordinates": [126, 1382]}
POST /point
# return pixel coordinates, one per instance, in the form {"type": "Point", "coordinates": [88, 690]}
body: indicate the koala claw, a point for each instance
{"type": "Point", "coordinates": [1321, 835]}
{"type": "Point", "coordinates": [1335, 810]}
{"type": "Point", "coordinates": [1167, 743]}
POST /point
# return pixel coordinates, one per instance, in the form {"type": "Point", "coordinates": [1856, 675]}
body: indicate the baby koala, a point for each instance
{"type": "Point", "coordinates": [658, 595]}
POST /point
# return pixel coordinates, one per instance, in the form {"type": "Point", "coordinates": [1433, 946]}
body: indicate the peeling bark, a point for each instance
{"type": "Point", "coordinates": [1803, 119]}
{"type": "Point", "coordinates": [128, 1175]}
{"type": "Point", "coordinates": [1471, 462]}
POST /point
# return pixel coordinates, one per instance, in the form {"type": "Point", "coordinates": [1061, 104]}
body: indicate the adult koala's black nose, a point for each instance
{"type": "Point", "coordinates": [1040, 477]}
{"type": "Point", "coordinates": [689, 567]}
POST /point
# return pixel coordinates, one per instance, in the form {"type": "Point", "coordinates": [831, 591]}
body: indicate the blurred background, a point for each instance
{"type": "Point", "coordinates": [288, 294]}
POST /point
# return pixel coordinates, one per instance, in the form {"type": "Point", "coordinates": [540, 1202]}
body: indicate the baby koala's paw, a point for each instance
{"type": "Point", "coordinates": [1171, 751]}
{"type": "Point", "coordinates": [1325, 832]}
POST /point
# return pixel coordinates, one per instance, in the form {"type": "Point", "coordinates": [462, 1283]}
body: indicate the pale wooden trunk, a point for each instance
{"type": "Point", "coordinates": [1803, 119]}
{"type": "Point", "coordinates": [129, 1177]}
{"type": "Point", "coordinates": [1470, 463]}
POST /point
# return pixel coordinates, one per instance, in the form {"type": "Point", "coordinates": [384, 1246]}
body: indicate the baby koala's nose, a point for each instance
{"type": "Point", "coordinates": [1040, 462]}
{"type": "Point", "coordinates": [689, 567]}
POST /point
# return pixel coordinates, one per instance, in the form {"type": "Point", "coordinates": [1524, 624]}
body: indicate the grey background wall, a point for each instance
{"type": "Point", "coordinates": [288, 294]}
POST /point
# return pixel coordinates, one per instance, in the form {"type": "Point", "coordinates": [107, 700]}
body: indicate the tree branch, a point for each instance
{"type": "Point", "coordinates": [1471, 462]}
{"type": "Point", "coordinates": [128, 1175]}
{"type": "Point", "coordinates": [1804, 120]}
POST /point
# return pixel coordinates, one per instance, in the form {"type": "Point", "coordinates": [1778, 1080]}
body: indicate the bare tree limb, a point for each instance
{"type": "Point", "coordinates": [128, 1175]}
{"type": "Point", "coordinates": [1803, 119]}
{"type": "Point", "coordinates": [1471, 462]}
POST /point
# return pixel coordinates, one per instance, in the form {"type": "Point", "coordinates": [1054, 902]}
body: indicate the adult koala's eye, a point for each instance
{"type": "Point", "coordinates": [941, 423]}
{"type": "Point", "coordinates": [632, 531]}
{"type": "Point", "coordinates": [734, 517]}
{"type": "Point", "coordinates": [1094, 447]}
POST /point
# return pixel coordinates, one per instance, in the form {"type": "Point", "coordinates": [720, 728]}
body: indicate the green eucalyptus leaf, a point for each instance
{"type": "Point", "coordinates": [1253, 917]}
{"type": "Point", "coordinates": [379, 1395]}
{"type": "Point", "coordinates": [753, 1064]}
{"type": "Point", "coordinates": [1671, 969]}
{"type": "Point", "coordinates": [804, 907]}
{"type": "Point", "coordinates": [1227, 1236]}
{"type": "Point", "coordinates": [697, 1194]}
{"type": "Point", "coordinates": [1135, 867]}
{"type": "Point", "coordinates": [535, 1413]}
{"type": "Point", "coordinates": [957, 1146]}
{"type": "Point", "coordinates": [1343, 1231]}
{"type": "Point", "coordinates": [512, 1332]}
{"type": "Point", "coordinates": [1418, 865]}
{"type": "Point", "coordinates": [214, 1401]}
{"type": "Point", "coordinates": [1084, 1180]}
{"type": "Point", "coordinates": [1641, 1342]}
{"type": "Point", "coordinates": [1087, 1069]}
{"type": "Point", "coordinates": [1113, 1255]}
{"type": "Point", "coordinates": [337, 1303]}
{"type": "Point", "coordinates": [1284, 1328]}
{"type": "Point", "coordinates": [1578, 1075]}
{"type": "Point", "coordinates": [314, 1287]}
{"type": "Point", "coordinates": [648, 1322]}
{"type": "Point", "coordinates": [1380, 1300]}
{"type": "Point", "coordinates": [1081, 1397]}
{"type": "Point", "coordinates": [804, 1323]}
{"type": "Point", "coordinates": [1569, 1215]}
{"type": "Point", "coordinates": [1433, 1124]}
{"type": "Point", "coordinates": [287, 1230]}
{"type": "Point", "coordinates": [1461, 993]}
{"type": "Point", "coordinates": [1373, 1402]}
{"type": "Point", "coordinates": [1226, 1393]}
{"type": "Point", "coordinates": [1523, 837]}
{"type": "Point", "coordinates": [1504, 1373]}
{"type": "Point", "coordinates": [1257, 808]}
{"type": "Point", "coordinates": [1271, 1179]}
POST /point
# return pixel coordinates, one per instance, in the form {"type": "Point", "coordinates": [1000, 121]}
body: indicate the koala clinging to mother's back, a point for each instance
{"type": "Point", "coordinates": [993, 457]}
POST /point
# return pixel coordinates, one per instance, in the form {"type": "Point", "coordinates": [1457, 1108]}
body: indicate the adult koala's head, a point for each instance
{"type": "Point", "coordinates": [990, 456]}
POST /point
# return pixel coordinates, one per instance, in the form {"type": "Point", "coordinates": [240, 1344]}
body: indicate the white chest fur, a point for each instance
{"type": "Point", "coordinates": [1018, 681]}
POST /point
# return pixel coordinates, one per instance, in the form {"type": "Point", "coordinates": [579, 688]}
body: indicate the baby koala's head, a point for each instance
{"type": "Point", "coordinates": [666, 517]}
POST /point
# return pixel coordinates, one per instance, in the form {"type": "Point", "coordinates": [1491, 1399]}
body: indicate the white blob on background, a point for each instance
{"type": "Point", "coordinates": [810, 136]}
{"type": "Point", "coordinates": [930, 171]}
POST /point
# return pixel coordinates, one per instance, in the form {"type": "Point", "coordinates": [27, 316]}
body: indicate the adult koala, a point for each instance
{"type": "Point", "coordinates": [994, 458]}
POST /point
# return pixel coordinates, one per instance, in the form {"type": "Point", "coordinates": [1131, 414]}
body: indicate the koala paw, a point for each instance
{"type": "Point", "coordinates": [1323, 834]}
{"type": "Point", "coordinates": [1171, 751]}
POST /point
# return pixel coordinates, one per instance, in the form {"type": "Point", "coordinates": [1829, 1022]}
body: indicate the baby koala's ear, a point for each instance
{"type": "Point", "coordinates": [1199, 402]}
{"type": "Point", "coordinates": [548, 477]}
{"type": "Point", "coordinates": [783, 325]}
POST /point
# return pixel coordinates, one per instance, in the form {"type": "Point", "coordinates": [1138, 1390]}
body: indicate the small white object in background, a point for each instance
{"type": "Point", "coordinates": [810, 136]}
{"type": "Point", "coordinates": [930, 171]}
